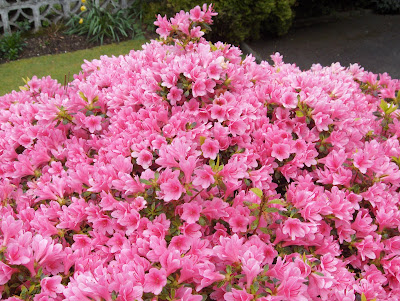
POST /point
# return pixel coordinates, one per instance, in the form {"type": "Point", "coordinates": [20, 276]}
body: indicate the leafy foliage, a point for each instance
{"type": "Point", "coordinates": [387, 6]}
{"type": "Point", "coordinates": [11, 45]}
{"type": "Point", "coordinates": [237, 20]}
{"type": "Point", "coordinates": [98, 23]}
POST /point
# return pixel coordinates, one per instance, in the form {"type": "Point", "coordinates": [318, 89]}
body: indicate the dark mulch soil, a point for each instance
{"type": "Point", "coordinates": [54, 41]}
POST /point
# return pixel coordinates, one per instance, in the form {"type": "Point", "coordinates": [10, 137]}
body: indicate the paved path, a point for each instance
{"type": "Point", "coordinates": [373, 41]}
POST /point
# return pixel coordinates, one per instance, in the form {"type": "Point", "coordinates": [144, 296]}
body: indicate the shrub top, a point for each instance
{"type": "Point", "coordinates": [183, 171]}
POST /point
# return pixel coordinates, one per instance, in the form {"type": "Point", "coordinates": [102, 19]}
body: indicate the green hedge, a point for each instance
{"type": "Point", "coordinates": [387, 6]}
{"type": "Point", "coordinates": [237, 20]}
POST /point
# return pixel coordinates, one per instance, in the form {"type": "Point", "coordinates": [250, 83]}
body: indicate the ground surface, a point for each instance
{"type": "Point", "coordinates": [371, 40]}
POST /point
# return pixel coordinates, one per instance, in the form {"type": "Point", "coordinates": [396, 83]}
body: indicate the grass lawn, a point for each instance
{"type": "Point", "coordinates": [58, 65]}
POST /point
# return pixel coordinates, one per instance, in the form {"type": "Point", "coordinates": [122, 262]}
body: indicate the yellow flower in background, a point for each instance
{"type": "Point", "coordinates": [83, 8]}
{"type": "Point", "coordinates": [83, 1]}
{"type": "Point", "coordinates": [80, 21]}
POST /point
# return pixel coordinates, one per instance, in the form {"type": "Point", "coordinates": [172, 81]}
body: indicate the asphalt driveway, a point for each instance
{"type": "Point", "coordinates": [371, 40]}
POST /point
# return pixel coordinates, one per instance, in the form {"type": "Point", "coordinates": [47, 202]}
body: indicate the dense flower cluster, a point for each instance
{"type": "Point", "coordinates": [184, 172]}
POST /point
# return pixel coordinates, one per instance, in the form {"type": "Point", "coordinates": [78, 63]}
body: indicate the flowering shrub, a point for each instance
{"type": "Point", "coordinates": [182, 172]}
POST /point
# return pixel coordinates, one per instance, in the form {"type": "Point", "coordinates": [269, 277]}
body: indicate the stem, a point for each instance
{"type": "Point", "coordinates": [263, 202]}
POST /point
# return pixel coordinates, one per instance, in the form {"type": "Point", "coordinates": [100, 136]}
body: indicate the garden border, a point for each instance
{"type": "Point", "coordinates": [49, 11]}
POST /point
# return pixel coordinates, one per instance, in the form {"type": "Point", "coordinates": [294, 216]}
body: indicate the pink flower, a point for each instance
{"type": "Point", "coordinates": [368, 248]}
{"type": "Point", "coordinates": [144, 158]}
{"type": "Point", "coordinates": [218, 112]}
{"type": "Point", "coordinates": [181, 243]}
{"type": "Point", "coordinates": [280, 151]}
{"type": "Point", "coordinates": [174, 95]}
{"type": "Point", "coordinates": [238, 295]}
{"type": "Point", "coordinates": [237, 127]}
{"type": "Point", "coordinates": [239, 223]}
{"type": "Point", "coordinates": [5, 273]}
{"type": "Point", "coordinates": [204, 177]}
{"type": "Point", "coordinates": [251, 267]}
{"type": "Point", "coordinates": [295, 228]}
{"type": "Point", "coordinates": [172, 190]}
{"type": "Point", "coordinates": [196, 14]}
{"type": "Point", "coordinates": [199, 88]}
{"type": "Point", "coordinates": [155, 280]}
{"type": "Point", "coordinates": [210, 148]}
{"type": "Point", "coordinates": [361, 161]}
{"type": "Point", "coordinates": [10, 227]}
{"type": "Point", "coordinates": [164, 27]}
{"type": "Point", "coordinates": [292, 286]}
{"type": "Point", "coordinates": [289, 100]}
{"type": "Point", "coordinates": [191, 212]}
{"type": "Point", "coordinates": [214, 69]}
{"type": "Point", "coordinates": [171, 261]}
{"type": "Point", "coordinates": [93, 123]}
{"type": "Point", "coordinates": [52, 285]}
{"type": "Point", "coordinates": [185, 294]}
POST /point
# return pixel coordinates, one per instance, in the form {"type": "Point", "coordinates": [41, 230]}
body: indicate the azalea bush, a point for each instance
{"type": "Point", "coordinates": [184, 172]}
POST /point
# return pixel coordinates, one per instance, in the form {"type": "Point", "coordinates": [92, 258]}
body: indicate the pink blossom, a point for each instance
{"type": "Point", "coordinates": [239, 223]}
{"type": "Point", "coordinates": [93, 123]}
{"type": "Point", "coordinates": [6, 273]}
{"type": "Point", "coordinates": [280, 151]}
{"type": "Point", "coordinates": [52, 285]}
{"type": "Point", "coordinates": [237, 127]}
{"type": "Point", "coordinates": [295, 228]}
{"type": "Point", "coordinates": [199, 88]}
{"type": "Point", "coordinates": [368, 248]}
{"type": "Point", "coordinates": [172, 190]}
{"type": "Point", "coordinates": [210, 148]}
{"type": "Point", "coordinates": [174, 95]}
{"type": "Point", "coordinates": [144, 158]}
{"type": "Point", "coordinates": [238, 295]}
{"type": "Point", "coordinates": [155, 280]}
{"type": "Point", "coordinates": [289, 100]}
{"type": "Point", "coordinates": [204, 177]}
{"type": "Point", "coordinates": [191, 212]}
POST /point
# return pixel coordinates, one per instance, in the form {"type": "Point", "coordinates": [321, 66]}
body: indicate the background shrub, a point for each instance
{"type": "Point", "coordinates": [387, 6]}
{"type": "Point", "coordinates": [11, 45]}
{"type": "Point", "coordinates": [98, 23]}
{"type": "Point", "coordinates": [237, 20]}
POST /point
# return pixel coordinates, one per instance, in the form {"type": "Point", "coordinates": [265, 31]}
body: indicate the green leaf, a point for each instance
{"type": "Point", "coordinates": [391, 109]}
{"type": "Point", "coordinates": [24, 292]}
{"type": "Point", "coordinates": [271, 209]}
{"type": "Point", "coordinates": [212, 164]}
{"type": "Point", "coordinates": [264, 230]}
{"type": "Point", "coordinates": [229, 269]}
{"type": "Point", "coordinates": [384, 105]}
{"type": "Point", "coordinates": [254, 288]}
{"type": "Point", "coordinates": [252, 206]}
{"type": "Point", "coordinates": [319, 274]}
{"type": "Point", "coordinates": [363, 297]}
{"type": "Point", "coordinates": [202, 221]}
{"type": "Point", "coordinates": [277, 201]}
{"type": "Point", "coordinates": [144, 181]}
{"type": "Point", "coordinates": [82, 96]}
{"type": "Point", "coordinates": [299, 113]}
{"type": "Point", "coordinates": [257, 191]}
{"type": "Point", "coordinates": [221, 284]}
